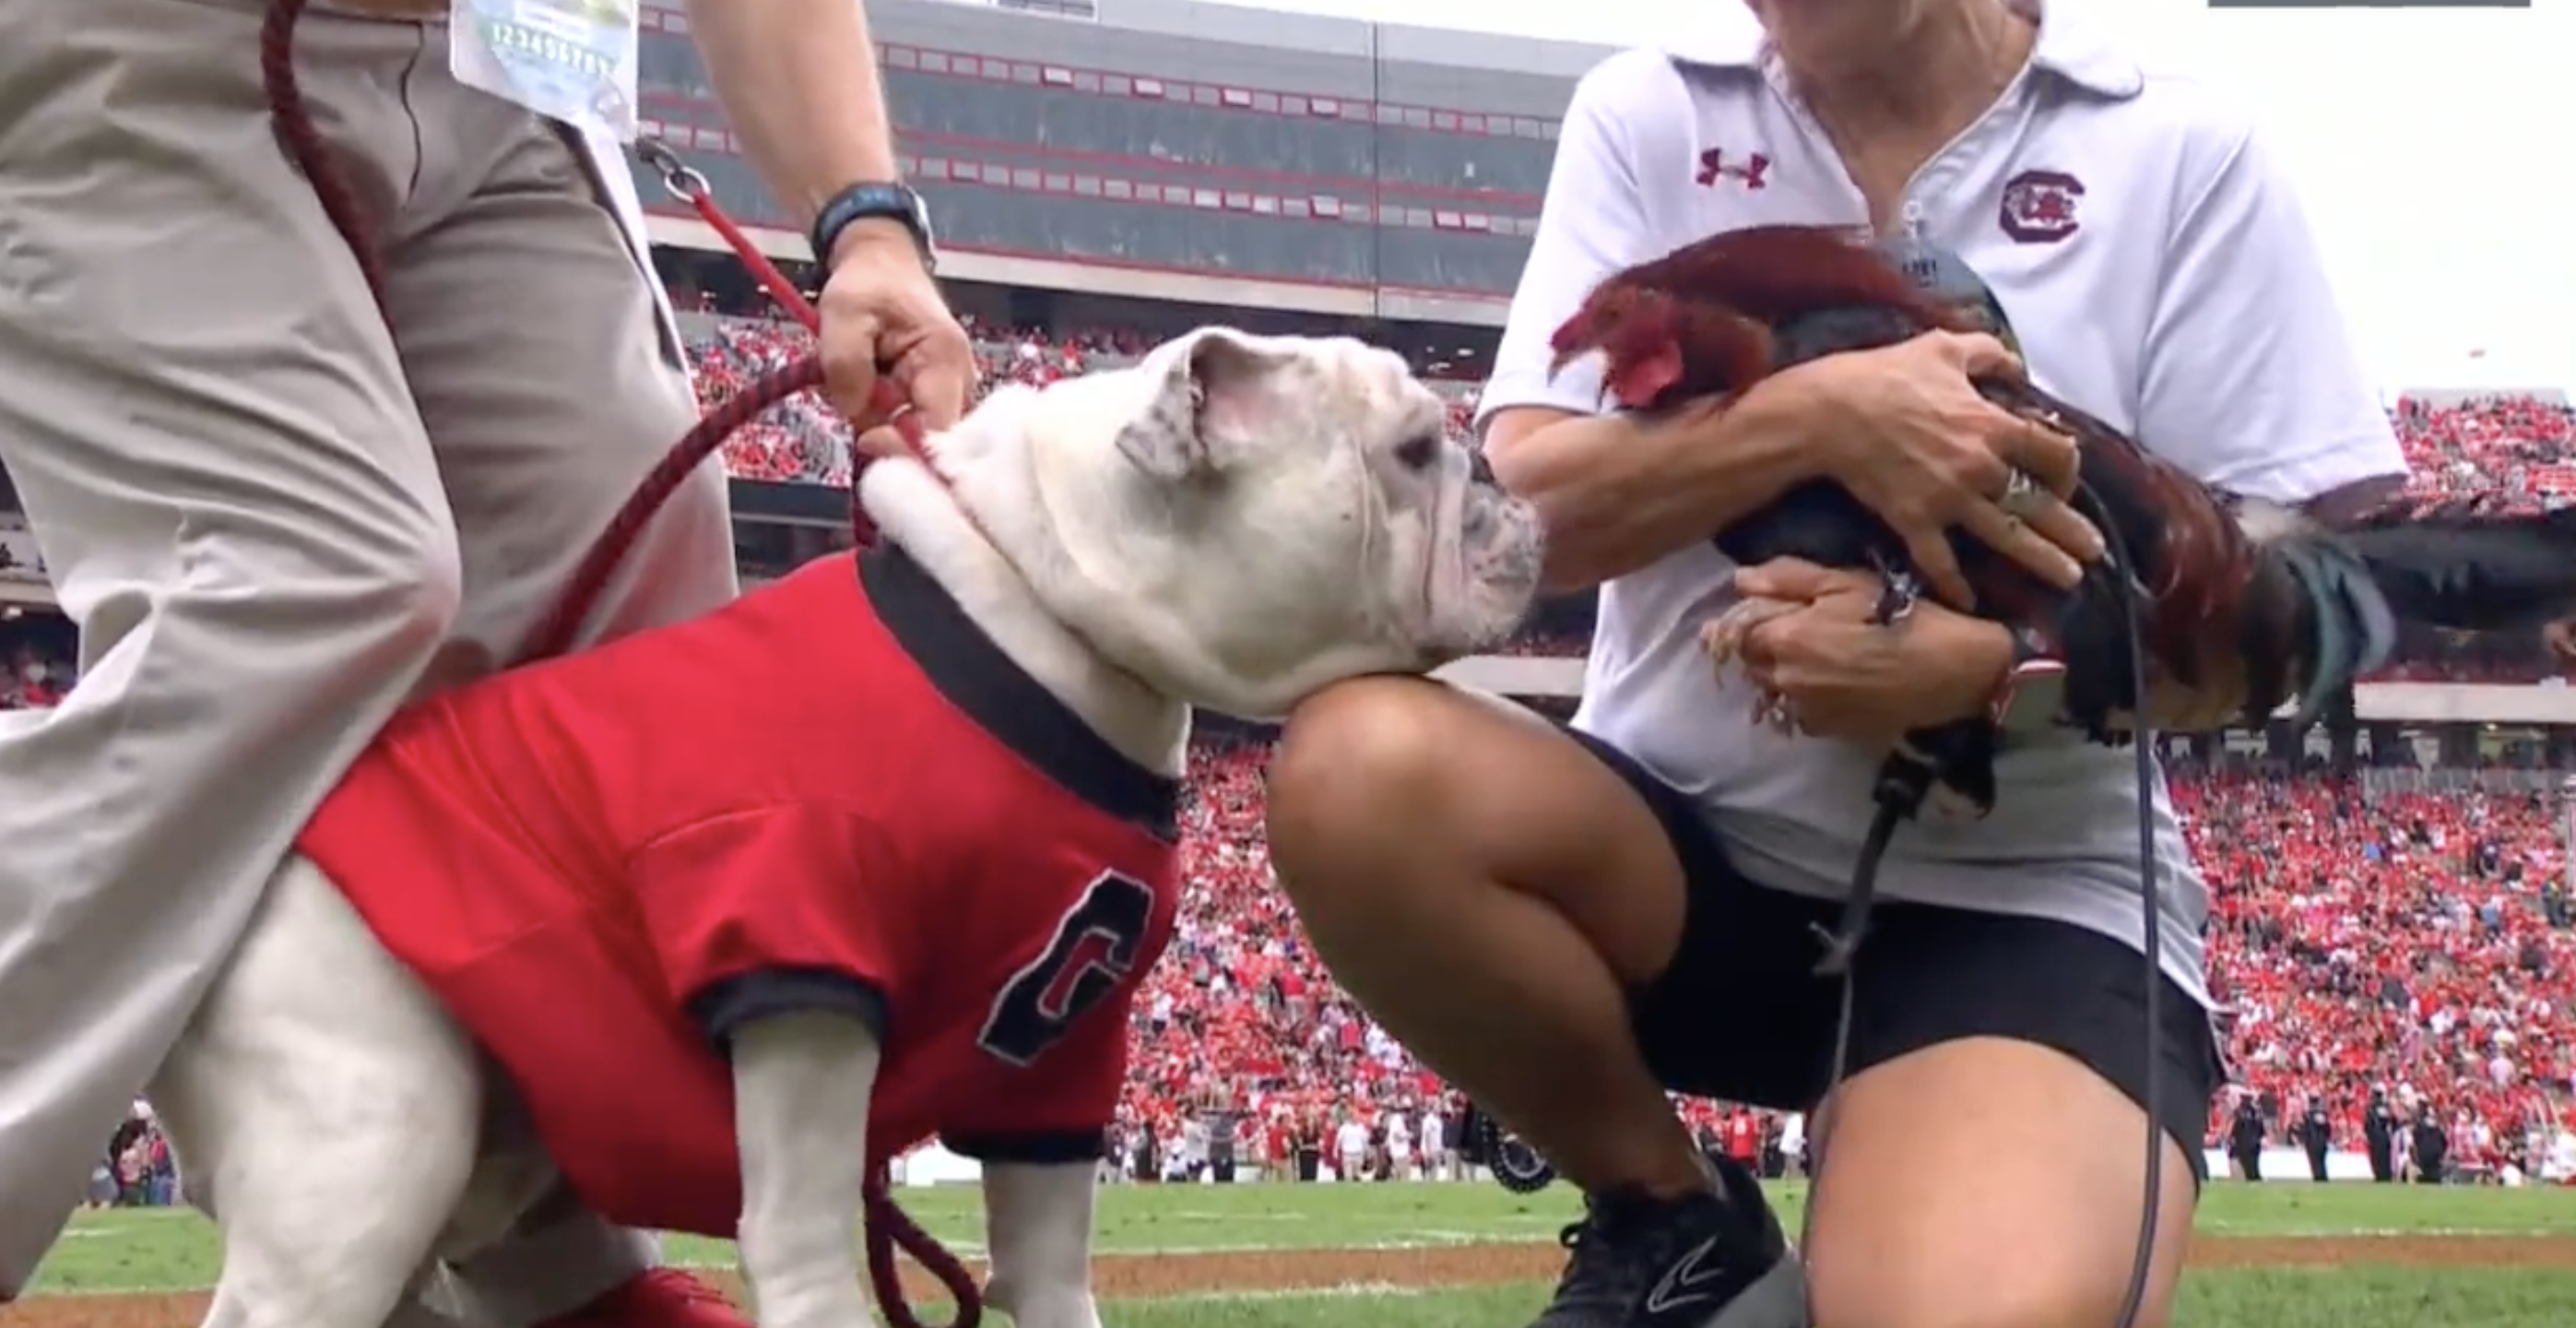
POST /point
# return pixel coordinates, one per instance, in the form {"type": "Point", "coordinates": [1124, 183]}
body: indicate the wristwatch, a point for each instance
{"type": "Point", "coordinates": [872, 200]}
{"type": "Point", "coordinates": [2032, 696]}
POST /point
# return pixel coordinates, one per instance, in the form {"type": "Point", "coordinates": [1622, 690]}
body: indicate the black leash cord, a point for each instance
{"type": "Point", "coordinates": [1898, 801]}
{"type": "Point", "coordinates": [2151, 889]}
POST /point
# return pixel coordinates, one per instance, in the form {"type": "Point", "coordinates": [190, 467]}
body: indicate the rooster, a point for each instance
{"type": "Point", "coordinates": [2218, 592]}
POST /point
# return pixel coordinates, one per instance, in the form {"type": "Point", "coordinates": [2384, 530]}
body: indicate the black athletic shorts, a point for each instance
{"type": "Point", "coordinates": [1742, 1016]}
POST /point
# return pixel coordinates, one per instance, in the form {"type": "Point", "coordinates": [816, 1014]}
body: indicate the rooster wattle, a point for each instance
{"type": "Point", "coordinates": [2243, 597]}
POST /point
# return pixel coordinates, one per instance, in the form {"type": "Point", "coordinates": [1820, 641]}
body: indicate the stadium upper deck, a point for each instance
{"type": "Point", "coordinates": [1171, 150]}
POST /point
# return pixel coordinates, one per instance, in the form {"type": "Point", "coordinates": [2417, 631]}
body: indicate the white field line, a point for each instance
{"type": "Point", "coordinates": [966, 1249]}
{"type": "Point", "coordinates": [1429, 1240]}
{"type": "Point", "coordinates": [1340, 1291]}
{"type": "Point", "coordinates": [1344, 1291]}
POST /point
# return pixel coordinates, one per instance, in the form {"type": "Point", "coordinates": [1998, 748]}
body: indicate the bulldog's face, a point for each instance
{"type": "Point", "coordinates": [1245, 519]}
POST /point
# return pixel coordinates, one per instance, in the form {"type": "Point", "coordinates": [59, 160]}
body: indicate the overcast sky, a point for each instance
{"type": "Point", "coordinates": [2436, 153]}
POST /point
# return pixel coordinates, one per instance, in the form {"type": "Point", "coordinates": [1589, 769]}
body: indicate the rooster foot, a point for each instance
{"type": "Point", "coordinates": [1723, 639]}
{"type": "Point", "coordinates": [1723, 636]}
{"type": "Point", "coordinates": [1776, 712]}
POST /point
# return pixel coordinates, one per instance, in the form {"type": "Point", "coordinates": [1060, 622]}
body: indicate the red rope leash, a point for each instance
{"type": "Point", "coordinates": [888, 1228]}
{"type": "Point", "coordinates": [562, 625]}
{"type": "Point", "coordinates": [683, 182]}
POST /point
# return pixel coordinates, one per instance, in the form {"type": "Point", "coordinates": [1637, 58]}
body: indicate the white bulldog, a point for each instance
{"type": "Point", "coordinates": [806, 827]}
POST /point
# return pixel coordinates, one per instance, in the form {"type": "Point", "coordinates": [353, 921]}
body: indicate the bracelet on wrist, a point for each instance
{"type": "Point", "coordinates": [872, 200]}
{"type": "Point", "coordinates": [2032, 695]}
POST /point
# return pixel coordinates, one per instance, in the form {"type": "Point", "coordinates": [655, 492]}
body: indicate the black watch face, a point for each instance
{"type": "Point", "coordinates": [911, 211]}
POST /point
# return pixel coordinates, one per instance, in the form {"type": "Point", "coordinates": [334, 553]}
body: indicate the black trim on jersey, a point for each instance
{"type": "Point", "coordinates": [722, 1008]}
{"type": "Point", "coordinates": [1006, 702]}
{"type": "Point", "coordinates": [1038, 1150]}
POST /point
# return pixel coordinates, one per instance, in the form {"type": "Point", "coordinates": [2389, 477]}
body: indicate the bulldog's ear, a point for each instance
{"type": "Point", "coordinates": [1214, 400]}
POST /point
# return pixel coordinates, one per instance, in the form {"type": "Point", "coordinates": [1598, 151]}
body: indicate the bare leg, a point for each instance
{"type": "Point", "coordinates": [1489, 891]}
{"type": "Point", "coordinates": [1955, 1233]}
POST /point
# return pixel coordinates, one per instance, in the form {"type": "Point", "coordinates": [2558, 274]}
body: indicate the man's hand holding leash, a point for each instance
{"type": "Point", "coordinates": [799, 83]}
{"type": "Point", "coordinates": [882, 313]}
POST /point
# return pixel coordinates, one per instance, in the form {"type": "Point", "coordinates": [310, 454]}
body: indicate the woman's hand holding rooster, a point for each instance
{"type": "Point", "coordinates": [1809, 640]}
{"type": "Point", "coordinates": [1829, 669]}
{"type": "Point", "coordinates": [1903, 430]}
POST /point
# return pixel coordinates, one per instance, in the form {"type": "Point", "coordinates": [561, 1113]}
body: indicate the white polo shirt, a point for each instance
{"type": "Point", "coordinates": [2160, 276]}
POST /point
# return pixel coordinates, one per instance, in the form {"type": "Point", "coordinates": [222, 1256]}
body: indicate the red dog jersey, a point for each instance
{"type": "Point", "coordinates": [835, 792]}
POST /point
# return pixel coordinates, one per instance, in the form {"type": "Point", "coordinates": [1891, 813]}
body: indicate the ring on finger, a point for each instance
{"type": "Point", "coordinates": [2021, 496]}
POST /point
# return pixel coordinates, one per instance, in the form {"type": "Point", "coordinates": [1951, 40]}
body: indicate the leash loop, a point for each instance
{"type": "Point", "coordinates": [680, 180]}
{"type": "Point", "coordinates": [688, 185]}
{"type": "Point", "coordinates": [888, 1227]}
{"type": "Point", "coordinates": [887, 405]}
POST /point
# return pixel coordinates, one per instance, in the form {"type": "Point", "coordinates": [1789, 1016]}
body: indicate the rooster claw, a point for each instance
{"type": "Point", "coordinates": [1723, 639]}
{"type": "Point", "coordinates": [1723, 636]}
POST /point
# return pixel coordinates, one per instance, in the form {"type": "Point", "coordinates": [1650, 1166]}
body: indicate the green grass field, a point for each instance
{"type": "Point", "coordinates": [143, 1253]}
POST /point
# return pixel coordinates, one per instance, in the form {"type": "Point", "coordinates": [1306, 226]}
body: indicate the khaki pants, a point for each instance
{"type": "Point", "coordinates": [271, 517]}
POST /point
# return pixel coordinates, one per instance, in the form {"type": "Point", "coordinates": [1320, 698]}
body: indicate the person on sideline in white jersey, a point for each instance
{"type": "Point", "coordinates": [1399, 1146]}
{"type": "Point", "coordinates": [2558, 1165]}
{"type": "Point", "coordinates": [1350, 1148]}
{"type": "Point", "coordinates": [275, 510]}
{"type": "Point", "coordinates": [1567, 924]}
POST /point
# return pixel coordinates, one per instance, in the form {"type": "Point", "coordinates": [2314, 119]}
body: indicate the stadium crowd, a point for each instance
{"type": "Point", "coordinates": [2414, 946]}
{"type": "Point", "coordinates": [2514, 448]}
{"type": "Point", "coordinates": [807, 443]}
{"type": "Point", "coordinates": [2509, 445]}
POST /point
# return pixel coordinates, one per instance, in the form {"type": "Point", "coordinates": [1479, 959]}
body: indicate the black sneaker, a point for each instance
{"type": "Point", "coordinates": [1706, 1261]}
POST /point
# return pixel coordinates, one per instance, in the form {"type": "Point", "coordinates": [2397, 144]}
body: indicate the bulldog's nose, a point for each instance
{"type": "Point", "coordinates": [1481, 471]}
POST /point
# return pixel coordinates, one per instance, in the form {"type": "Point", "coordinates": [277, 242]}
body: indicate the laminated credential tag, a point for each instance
{"type": "Point", "coordinates": [573, 60]}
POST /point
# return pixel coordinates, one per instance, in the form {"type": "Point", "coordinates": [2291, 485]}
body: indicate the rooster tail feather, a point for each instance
{"type": "Point", "coordinates": [2473, 572]}
{"type": "Point", "coordinates": [2355, 629]}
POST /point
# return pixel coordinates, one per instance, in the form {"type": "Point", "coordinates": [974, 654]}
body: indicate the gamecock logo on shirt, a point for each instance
{"type": "Point", "coordinates": [2039, 207]}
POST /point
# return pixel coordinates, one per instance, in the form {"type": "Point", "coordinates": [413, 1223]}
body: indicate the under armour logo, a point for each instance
{"type": "Point", "coordinates": [1713, 167]}
{"type": "Point", "coordinates": [1698, 1277]}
